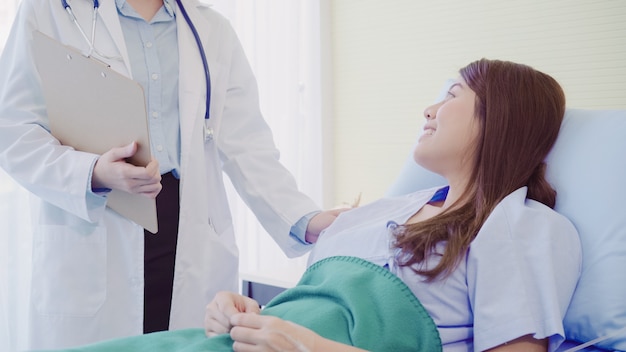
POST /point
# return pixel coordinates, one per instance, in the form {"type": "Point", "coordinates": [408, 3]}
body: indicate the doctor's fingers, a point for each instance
{"type": "Point", "coordinates": [129, 179]}
{"type": "Point", "coordinates": [148, 174]}
{"type": "Point", "coordinates": [148, 190]}
{"type": "Point", "coordinates": [152, 169]}
{"type": "Point", "coordinates": [139, 174]}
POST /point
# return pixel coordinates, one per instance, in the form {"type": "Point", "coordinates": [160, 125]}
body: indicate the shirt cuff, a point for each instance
{"type": "Point", "coordinates": [298, 231]}
{"type": "Point", "coordinates": [103, 192]}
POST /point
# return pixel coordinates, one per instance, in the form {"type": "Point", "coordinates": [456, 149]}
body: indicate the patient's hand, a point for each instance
{"type": "Point", "coordinates": [254, 332]}
{"type": "Point", "coordinates": [223, 306]}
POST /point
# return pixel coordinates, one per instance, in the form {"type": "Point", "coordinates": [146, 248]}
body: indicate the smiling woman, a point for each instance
{"type": "Point", "coordinates": [392, 66]}
{"type": "Point", "coordinates": [455, 114]}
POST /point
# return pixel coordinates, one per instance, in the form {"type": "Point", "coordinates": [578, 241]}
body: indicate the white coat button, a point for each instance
{"type": "Point", "coordinates": [159, 148]}
{"type": "Point", "coordinates": [149, 45]}
{"type": "Point", "coordinates": [155, 114]}
{"type": "Point", "coordinates": [155, 76]}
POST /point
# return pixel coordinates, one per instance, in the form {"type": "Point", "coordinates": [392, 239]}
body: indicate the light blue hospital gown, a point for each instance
{"type": "Point", "coordinates": [516, 279]}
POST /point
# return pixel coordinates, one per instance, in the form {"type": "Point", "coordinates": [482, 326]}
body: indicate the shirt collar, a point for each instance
{"type": "Point", "coordinates": [124, 8]}
{"type": "Point", "coordinates": [169, 8]}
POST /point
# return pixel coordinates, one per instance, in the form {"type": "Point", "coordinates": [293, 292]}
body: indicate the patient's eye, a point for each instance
{"type": "Point", "coordinates": [451, 91]}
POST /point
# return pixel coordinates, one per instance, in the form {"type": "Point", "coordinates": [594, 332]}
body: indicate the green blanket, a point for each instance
{"type": "Point", "coordinates": [345, 299]}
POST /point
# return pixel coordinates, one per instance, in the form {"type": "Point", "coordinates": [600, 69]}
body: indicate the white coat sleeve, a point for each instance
{"type": "Point", "coordinates": [251, 159]}
{"type": "Point", "coordinates": [28, 152]}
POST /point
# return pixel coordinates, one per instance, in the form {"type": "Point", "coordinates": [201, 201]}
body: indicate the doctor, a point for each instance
{"type": "Point", "coordinates": [95, 275]}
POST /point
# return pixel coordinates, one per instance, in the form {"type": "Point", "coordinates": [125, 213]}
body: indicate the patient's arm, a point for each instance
{"type": "Point", "coordinates": [252, 331]}
{"type": "Point", "coordinates": [523, 344]}
{"type": "Point", "coordinates": [223, 306]}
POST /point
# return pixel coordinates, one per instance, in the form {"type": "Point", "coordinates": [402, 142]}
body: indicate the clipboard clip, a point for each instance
{"type": "Point", "coordinates": [90, 57]}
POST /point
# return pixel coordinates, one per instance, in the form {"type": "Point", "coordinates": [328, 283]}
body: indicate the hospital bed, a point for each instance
{"type": "Point", "coordinates": [587, 167]}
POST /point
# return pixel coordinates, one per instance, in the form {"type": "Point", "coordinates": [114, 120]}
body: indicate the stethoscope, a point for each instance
{"type": "Point", "coordinates": [208, 131]}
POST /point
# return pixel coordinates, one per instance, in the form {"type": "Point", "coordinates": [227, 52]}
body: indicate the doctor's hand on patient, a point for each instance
{"type": "Point", "coordinates": [114, 172]}
{"type": "Point", "coordinates": [321, 221]}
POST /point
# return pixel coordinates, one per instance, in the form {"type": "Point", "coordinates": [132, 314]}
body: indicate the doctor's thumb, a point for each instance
{"type": "Point", "coordinates": [120, 153]}
{"type": "Point", "coordinates": [127, 151]}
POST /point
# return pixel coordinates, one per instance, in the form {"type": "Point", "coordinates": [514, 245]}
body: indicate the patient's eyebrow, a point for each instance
{"type": "Point", "coordinates": [456, 85]}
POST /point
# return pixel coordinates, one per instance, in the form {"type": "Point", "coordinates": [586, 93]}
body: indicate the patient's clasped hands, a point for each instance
{"type": "Point", "coordinates": [239, 315]}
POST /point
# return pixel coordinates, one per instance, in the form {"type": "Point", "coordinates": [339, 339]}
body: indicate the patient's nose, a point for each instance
{"type": "Point", "coordinates": [430, 112]}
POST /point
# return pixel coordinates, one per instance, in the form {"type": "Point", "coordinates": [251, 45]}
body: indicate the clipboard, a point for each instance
{"type": "Point", "coordinates": [93, 108]}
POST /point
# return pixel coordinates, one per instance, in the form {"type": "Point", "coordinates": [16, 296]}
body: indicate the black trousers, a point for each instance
{"type": "Point", "coordinates": [159, 258]}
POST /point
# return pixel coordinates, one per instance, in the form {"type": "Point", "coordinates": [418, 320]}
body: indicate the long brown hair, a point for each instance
{"type": "Point", "coordinates": [520, 111]}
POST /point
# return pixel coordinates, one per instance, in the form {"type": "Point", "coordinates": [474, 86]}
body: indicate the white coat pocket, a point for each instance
{"type": "Point", "coordinates": [69, 270]}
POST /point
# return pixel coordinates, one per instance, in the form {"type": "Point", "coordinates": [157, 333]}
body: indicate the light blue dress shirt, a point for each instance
{"type": "Point", "coordinates": [153, 53]}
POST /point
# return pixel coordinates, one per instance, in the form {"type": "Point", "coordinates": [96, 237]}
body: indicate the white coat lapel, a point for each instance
{"type": "Point", "coordinates": [109, 16]}
{"type": "Point", "coordinates": [191, 73]}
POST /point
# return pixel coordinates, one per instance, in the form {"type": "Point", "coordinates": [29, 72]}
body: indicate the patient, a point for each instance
{"type": "Point", "coordinates": [481, 264]}
{"type": "Point", "coordinates": [493, 265]}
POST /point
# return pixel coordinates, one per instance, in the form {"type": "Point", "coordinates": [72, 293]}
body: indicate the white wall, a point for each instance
{"type": "Point", "coordinates": [390, 58]}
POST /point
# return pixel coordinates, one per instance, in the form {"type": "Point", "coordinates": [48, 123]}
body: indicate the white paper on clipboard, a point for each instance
{"type": "Point", "coordinates": [93, 109]}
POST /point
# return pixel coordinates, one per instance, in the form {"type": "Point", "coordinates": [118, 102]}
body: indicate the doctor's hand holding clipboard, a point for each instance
{"type": "Point", "coordinates": [112, 171]}
{"type": "Point", "coordinates": [92, 108]}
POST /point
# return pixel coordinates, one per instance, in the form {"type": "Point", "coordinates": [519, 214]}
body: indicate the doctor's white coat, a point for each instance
{"type": "Point", "coordinates": [83, 266]}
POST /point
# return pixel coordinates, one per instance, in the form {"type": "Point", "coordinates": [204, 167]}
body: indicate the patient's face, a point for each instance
{"type": "Point", "coordinates": [447, 143]}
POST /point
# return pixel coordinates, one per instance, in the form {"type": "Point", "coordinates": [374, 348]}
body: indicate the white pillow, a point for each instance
{"type": "Point", "coordinates": [587, 167]}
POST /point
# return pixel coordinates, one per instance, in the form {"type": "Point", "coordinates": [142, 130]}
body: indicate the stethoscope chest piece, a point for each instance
{"type": "Point", "coordinates": [208, 133]}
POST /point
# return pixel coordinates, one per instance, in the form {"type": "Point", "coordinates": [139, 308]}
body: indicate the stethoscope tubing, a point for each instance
{"type": "Point", "coordinates": [205, 63]}
{"type": "Point", "coordinates": [92, 48]}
